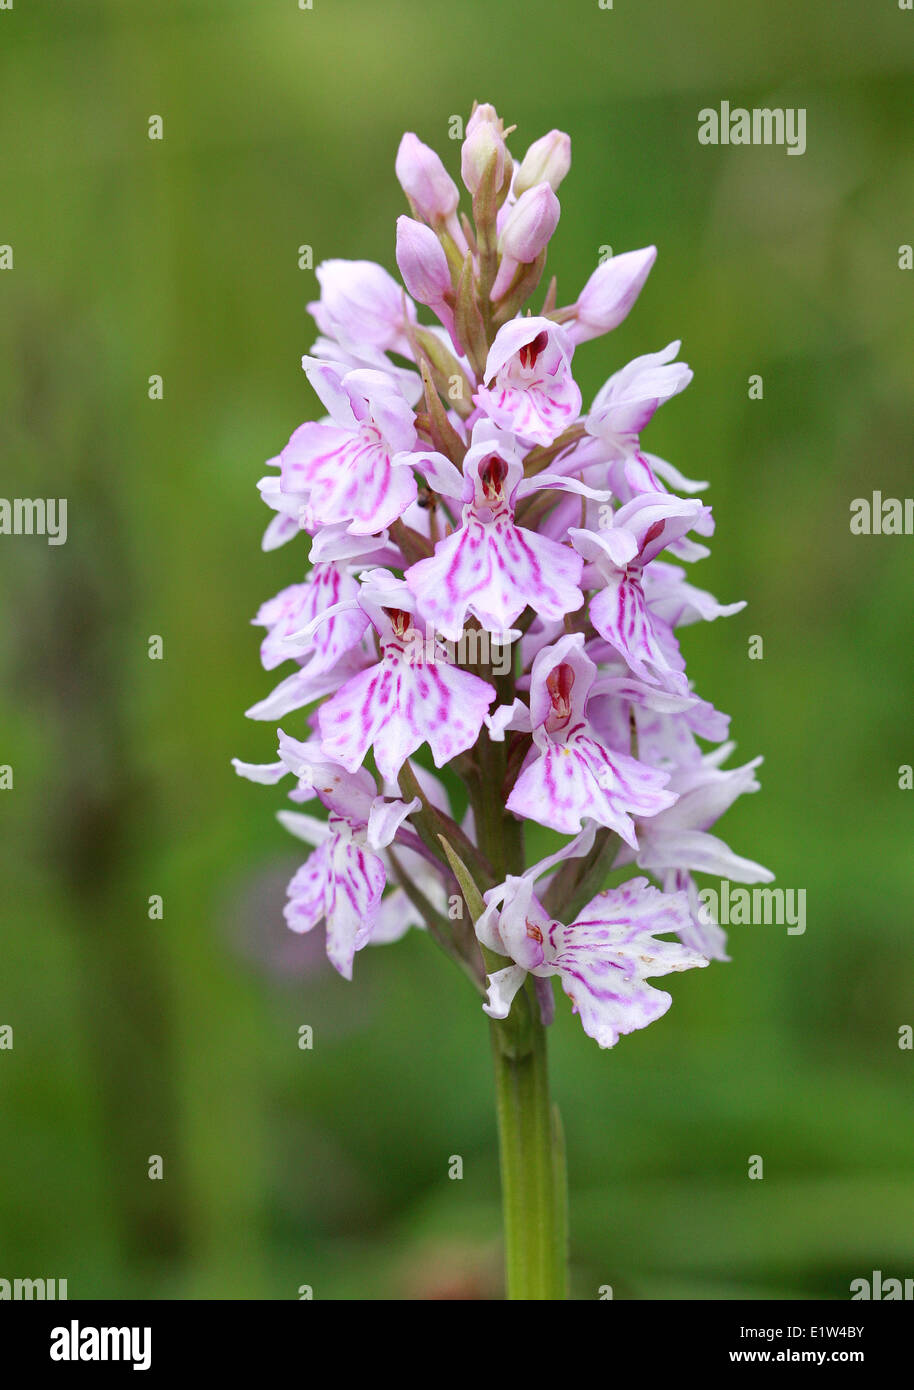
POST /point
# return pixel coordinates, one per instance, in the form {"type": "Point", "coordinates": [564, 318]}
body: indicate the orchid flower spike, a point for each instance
{"type": "Point", "coordinates": [490, 580]}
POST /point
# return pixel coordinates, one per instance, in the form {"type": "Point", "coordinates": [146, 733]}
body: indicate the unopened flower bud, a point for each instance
{"type": "Point", "coordinates": [422, 262]}
{"type": "Point", "coordinates": [530, 224]}
{"type": "Point", "coordinates": [485, 113]}
{"type": "Point", "coordinates": [425, 181]}
{"type": "Point", "coordinates": [483, 144]}
{"type": "Point", "coordinates": [547, 161]}
{"type": "Point", "coordinates": [610, 293]}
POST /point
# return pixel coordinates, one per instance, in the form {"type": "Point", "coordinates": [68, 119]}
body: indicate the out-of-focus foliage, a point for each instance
{"type": "Point", "coordinates": [179, 1037]}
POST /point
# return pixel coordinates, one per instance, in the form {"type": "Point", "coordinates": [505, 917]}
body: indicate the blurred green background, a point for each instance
{"type": "Point", "coordinates": [179, 1037]}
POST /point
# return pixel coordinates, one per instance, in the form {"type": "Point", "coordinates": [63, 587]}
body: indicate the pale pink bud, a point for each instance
{"type": "Point", "coordinates": [360, 305]}
{"type": "Point", "coordinates": [422, 262]}
{"type": "Point", "coordinates": [547, 161]}
{"type": "Point", "coordinates": [425, 181]}
{"type": "Point", "coordinates": [529, 224]}
{"type": "Point", "coordinates": [486, 112]}
{"type": "Point", "coordinates": [610, 293]}
{"type": "Point", "coordinates": [483, 144]}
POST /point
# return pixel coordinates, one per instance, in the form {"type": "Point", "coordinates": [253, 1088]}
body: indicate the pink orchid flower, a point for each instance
{"type": "Point", "coordinates": [342, 882]}
{"type": "Point", "coordinates": [491, 568]}
{"type": "Point", "coordinates": [355, 469]}
{"type": "Point", "coordinates": [618, 553]}
{"type": "Point", "coordinates": [569, 775]}
{"type": "Point", "coordinates": [413, 695]}
{"type": "Point", "coordinates": [603, 959]}
{"type": "Point", "coordinates": [529, 389]}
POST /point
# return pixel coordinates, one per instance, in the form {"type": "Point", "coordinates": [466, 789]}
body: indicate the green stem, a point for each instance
{"type": "Point", "coordinates": [529, 1133]}
{"type": "Point", "coordinates": [532, 1159]}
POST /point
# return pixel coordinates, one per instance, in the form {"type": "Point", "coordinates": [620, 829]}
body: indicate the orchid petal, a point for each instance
{"type": "Point", "coordinates": [303, 827]}
{"type": "Point", "coordinates": [303, 688]}
{"type": "Point", "coordinates": [385, 819]}
{"type": "Point", "coordinates": [494, 571]}
{"type": "Point", "coordinates": [267, 774]}
{"type": "Point", "coordinates": [503, 986]}
{"type": "Point", "coordinates": [396, 706]}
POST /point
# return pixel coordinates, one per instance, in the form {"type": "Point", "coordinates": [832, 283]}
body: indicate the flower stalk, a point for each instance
{"type": "Point", "coordinates": [532, 1161]}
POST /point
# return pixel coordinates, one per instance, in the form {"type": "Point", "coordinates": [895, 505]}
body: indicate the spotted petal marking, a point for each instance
{"type": "Point", "coordinates": [494, 570]}
{"type": "Point", "coordinates": [398, 705]}
{"type": "Point", "coordinates": [603, 959]}
{"type": "Point", "coordinates": [566, 783]}
{"type": "Point", "coordinates": [620, 615]}
{"type": "Point", "coordinates": [293, 608]}
{"type": "Point", "coordinates": [341, 883]}
{"type": "Point", "coordinates": [347, 477]}
{"type": "Point", "coordinates": [569, 776]}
